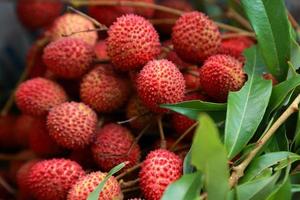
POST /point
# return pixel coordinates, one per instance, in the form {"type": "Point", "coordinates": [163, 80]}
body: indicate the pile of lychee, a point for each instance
{"type": "Point", "coordinates": [92, 99]}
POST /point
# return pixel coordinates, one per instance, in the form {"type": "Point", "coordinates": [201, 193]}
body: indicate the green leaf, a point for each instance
{"type": "Point", "coordinates": [279, 142]}
{"type": "Point", "coordinates": [187, 165]}
{"type": "Point", "coordinates": [187, 187]}
{"type": "Point", "coordinates": [258, 189]}
{"type": "Point", "coordinates": [209, 156]}
{"type": "Point", "coordinates": [95, 194]}
{"type": "Point", "coordinates": [245, 108]}
{"type": "Point", "coordinates": [295, 188]}
{"type": "Point", "coordinates": [297, 131]}
{"type": "Point", "coordinates": [270, 23]}
{"type": "Point", "coordinates": [295, 54]}
{"type": "Point", "coordinates": [193, 108]}
{"type": "Point", "coordinates": [258, 165]}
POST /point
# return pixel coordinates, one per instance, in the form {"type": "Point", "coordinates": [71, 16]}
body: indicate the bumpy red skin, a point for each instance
{"type": "Point", "coordinates": [135, 108]}
{"type": "Point", "coordinates": [40, 141]}
{"type": "Point", "coordinates": [68, 57]}
{"type": "Point", "coordinates": [132, 42]}
{"type": "Point", "coordinates": [100, 50]}
{"type": "Point", "coordinates": [104, 90]}
{"type": "Point", "coordinates": [70, 23]}
{"type": "Point", "coordinates": [160, 169]}
{"type": "Point", "coordinates": [36, 14]}
{"type": "Point", "coordinates": [160, 82]}
{"type": "Point", "coordinates": [235, 46]}
{"type": "Point", "coordinates": [221, 74]}
{"type": "Point", "coordinates": [37, 96]}
{"type": "Point", "coordinates": [72, 125]}
{"type": "Point", "coordinates": [114, 145]}
{"type": "Point", "coordinates": [52, 179]}
{"type": "Point", "coordinates": [269, 76]}
{"type": "Point", "coordinates": [192, 78]}
{"type": "Point", "coordinates": [166, 29]}
{"type": "Point", "coordinates": [195, 37]}
{"type": "Point", "coordinates": [87, 184]}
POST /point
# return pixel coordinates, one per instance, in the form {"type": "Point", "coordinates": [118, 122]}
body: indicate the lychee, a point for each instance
{"type": "Point", "coordinates": [37, 14]}
{"type": "Point", "coordinates": [195, 37]}
{"type": "Point", "coordinates": [136, 109]}
{"type": "Point", "coordinates": [269, 76]}
{"type": "Point", "coordinates": [132, 42]}
{"type": "Point", "coordinates": [72, 125]}
{"type": "Point", "coordinates": [52, 179]}
{"type": "Point", "coordinates": [70, 24]}
{"type": "Point", "coordinates": [37, 96]}
{"type": "Point", "coordinates": [160, 169]}
{"type": "Point", "coordinates": [104, 90]}
{"type": "Point", "coordinates": [68, 57]}
{"type": "Point", "coordinates": [100, 50]}
{"type": "Point", "coordinates": [87, 184]}
{"type": "Point", "coordinates": [192, 78]}
{"type": "Point", "coordinates": [115, 144]}
{"type": "Point", "coordinates": [160, 82]}
{"type": "Point", "coordinates": [221, 74]}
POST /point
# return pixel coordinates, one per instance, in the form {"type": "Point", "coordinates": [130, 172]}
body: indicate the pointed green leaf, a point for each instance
{"type": "Point", "coordinates": [187, 165]}
{"type": "Point", "coordinates": [209, 156]}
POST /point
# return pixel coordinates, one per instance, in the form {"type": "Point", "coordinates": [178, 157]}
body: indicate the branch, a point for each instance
{"type": "Point", "coordinates": [183, 136]}
{"type": "Point", "coordinates": [163, 143]}
{"type": "Point", "coordinates": [238, 171]}
{"type": "Point", "coordinates": [231, 13]}
{"type": "Point", "coordinates": [127, 171]}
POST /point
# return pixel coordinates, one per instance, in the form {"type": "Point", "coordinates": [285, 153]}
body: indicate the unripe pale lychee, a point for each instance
{"type": "Point", "coordinates": [37, 14]}
{"type": "Point", "coordinates": [132, 42]}
{"type": "Point", "coordinates": [195, 37]}
{"type": "Point", "coordinates": [115, 144]}
{"type": "Point", "coordinates": [68, 57]}
{"type": "Point", "coordinates": [68, 24]}
{"type": "Point", "coordinates": [104, 90]}
{"type": "Point", "coordinates": [37, 96]}
{"type": "Point", "coordinates": [52, 179]}
{"type": "Point", "coordinates": [160, 82]}
{"type": "Point", "coordinates": [72, 125]}
{"type": "Point", "coordinates": [221, 74]}
{"type": "Point", "coordinates": [87, 184]}
{"type": "Point", "coordinates": [160, 169]}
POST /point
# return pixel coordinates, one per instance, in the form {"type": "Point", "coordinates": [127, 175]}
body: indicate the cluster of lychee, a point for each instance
{"type": "Point", "coordinates": [81, 83]}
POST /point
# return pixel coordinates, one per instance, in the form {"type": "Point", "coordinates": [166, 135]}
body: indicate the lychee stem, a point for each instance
{"type": "Point", "coordinates": [293, 22]}
{"type": "Point", "coordinates": [234, 29]}
{"type": "Point", "coordinates": [102, 61]}
{"type": "Point", "coordinates": [238, 171]}
{"type": "Point", "coordinates": [163, 143]}
{"type": "Point", "coordinates": [85, 31]}
{"type": "Point", "coordinates": [128, 171]}
{"type": "Point", "coordinates": [183, 136]}
{"type": "Point", "coordinates": [128, 184]}
{"type": "Point", "coordinates": [232, 35]}
{"type": "Point", "coordinates": [131, 189]}
{"type": "Point", "coordinates": [133, 118]}
{"type": "Point", "coordinates": [23, 156]}
{"type": "Point", "coordinates": [231, 13]}
{"type": "Point", "coordinates": [6, 186]}
{"type": "Point", "coordinates": [9, 103]}
{"type": "Point", "coordinates": [163, 21]}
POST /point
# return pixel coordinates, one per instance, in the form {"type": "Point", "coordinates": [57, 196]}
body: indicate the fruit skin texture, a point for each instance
{"type": "Point", "coordinates": [84, 186]}
{"type": "Point", "coordinates": [104, 90]}
{"type": "Point", "coordinates": [36, 14]}
{"type": "Point", "coordinates": [115, 144]}
{"type": "Point", "coordinates": [37, 96]}
{"type": "Point", "coordinates": [52, 179]}
{"type": "Point", "coordinates": [70, 23]}
{"type": "Point", "coordinates": [195, 37]}
{"type": "Point", "coordinates": [221, 74]}
{"type": "Point", "coordinates": [160, 169]}
{"type": "Point", "coordinates": [68, 57]}
{"type": "Point", "coordinates": [72, 125]}
{"type": "Point", "coordinates": [132, 42]}
{"type": "Point", "coordinates": [135, 108]}
{"type": "Point", "coordinates": [160, 82]}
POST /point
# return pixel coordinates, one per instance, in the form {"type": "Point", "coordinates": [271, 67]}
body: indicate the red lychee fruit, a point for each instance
{"type": "Point", "coordinates": [132, 42]}
{"type": "Point", "coordinates": [269, 76]}
{"type": "Point", "coordinates": [182, 5]}
{"type": "Point", "coordinates": [37, 96]}
{"type": "Point", "coordinates": [52, 179]}
{"type": "Point", "coordinates": [68, 57]}
{"type": "Point", "coordinates": [100, 50]}
{"type": "Point", "coordinates": [136, 109]}
{"type": "Point", "coordinates": [235, 46]}
{"type": "Point", "coordinates": [104, 90]}
{"type": "Point", "coordinates": [195, 37]}
{"type": "Point", "coordinates": [160, 82]}
{"type": "Point", "coordinates": [87, 184]}
{"type": "Point", "coordinates": [115, 144]}
{"type": "Point", "coordinates": [192, 78]}
{"type": "Point", "coordinates": [40, 141]}
{"type": "Point", "coordinates": [221, 74]}
{"type": "Point", "coordinates": [68, 24]}
{"type": "Point", "coordinates": [38, 14]}
{"type": "Point", "coordinates": [160, 169]}
{"type": "Point", "coordinates": [72, 125]}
